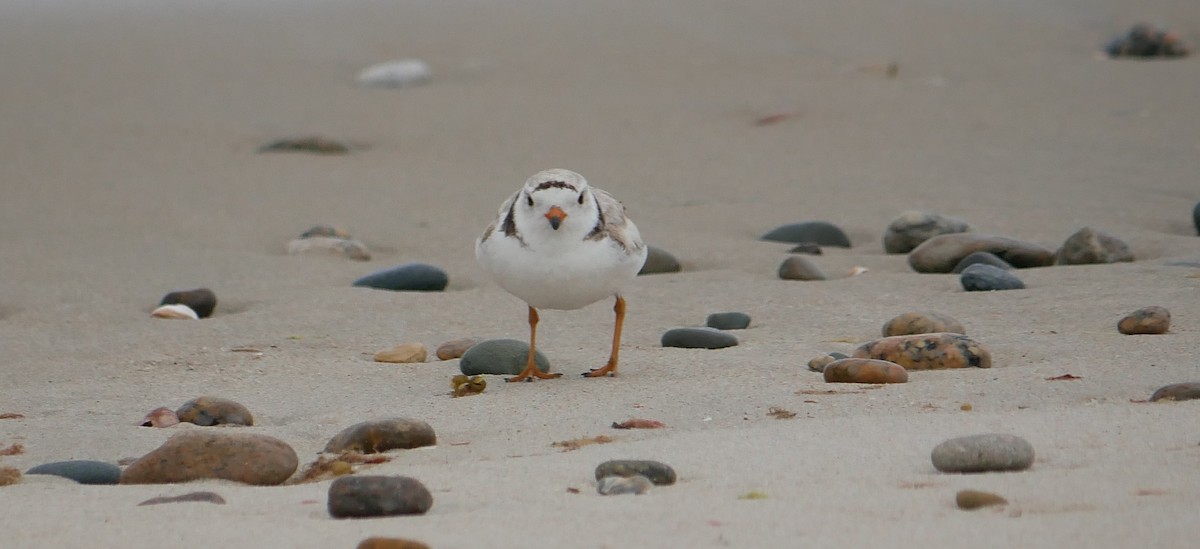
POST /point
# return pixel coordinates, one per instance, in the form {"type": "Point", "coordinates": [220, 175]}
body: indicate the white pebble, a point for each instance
{"type": "Point", "coordinates": [181, 312]}
{"type": "Point", "coordinates": [395, 74]}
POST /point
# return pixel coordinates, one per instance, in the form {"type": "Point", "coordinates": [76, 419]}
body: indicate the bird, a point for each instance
{"type": "Point", "coordinates": [559, 243]}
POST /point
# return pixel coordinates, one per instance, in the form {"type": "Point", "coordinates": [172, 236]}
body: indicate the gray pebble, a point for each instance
{"type": "Point", "coordinates": [912, 228]}
{"type": "Point", "coordinates": [357, 496]}
{"type": "Point", "coordinates": [986, 278]}
{"type": "Point", "coordinates": [799, 267]}
{"type": "Point", "coordinates": [659, 260]}
{"type": "Point", "coordinates": [985, 258]}
{"type": "Point", "coordinates": [614, 486]}
{"type": "Point", "coordinates": [981, 453]}
{"type": "Point", "coordinates": [500, 357]}
{"type": "Point", "coordinates": [728, 321]}
{"type": "Point", "coordinates": [810, 248]}
{"type": "Point", "coordinates": [1177, 391]}
{"type": "Point", "coordinates": [817, 232]}
{"type": "Point", "coordinates": [656, 471]}
{"type": "Point", "coordinates": [1090, 246]}
{"type": "Point", "coordinates": [698, 338]}
{"type": "Point", "coordinates": [411, 277]}
{"type": "Point", "coordinates": [81, 471]}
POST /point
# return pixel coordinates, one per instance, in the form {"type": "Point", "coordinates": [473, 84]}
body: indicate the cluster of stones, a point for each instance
{"type": "Point", "coordinates": [625, 476]}
{"type": "Point", "coordinates": [714, 335]}
{"type": "Point", "coordinates": [1147, 41]}
{"type": "Point", "coordinates": [808, 236]}
{"type": "Point", "coordinates": [911, 341]}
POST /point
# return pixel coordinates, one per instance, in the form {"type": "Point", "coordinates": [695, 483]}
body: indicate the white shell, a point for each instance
{"type": "Point", "coordinates": [181, 312]}
{"type": "Point", "coordinates": [395, 74]}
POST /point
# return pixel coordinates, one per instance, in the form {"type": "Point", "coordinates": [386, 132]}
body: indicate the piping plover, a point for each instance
{"type": "Point", "coordinates": [561, 244]}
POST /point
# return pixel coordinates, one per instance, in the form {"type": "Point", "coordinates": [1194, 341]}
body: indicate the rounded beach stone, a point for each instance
{"type": "Point", "coordinates": [1090, 246]}
{"type": "Point", "coordinates": [329, 231]}
{"type": "Point", "coordinates": [175, 312]}
{"type": "Point", "coordinates": [356, 496]}
{"type": "Point", "coordinates": [160, 417]}
{"type": "Point", "coordinates": [455, 348]}
{"type": "Point", "coordinates": [985, 258]}
{"type": "Point", "coordinates": [500, 357]}
{"type": "Point", "coordinates": [403, 354]}
{"type": "Point", "coordinates": [390, 543]}
{"type": "Point", "coordinates": [370, 437]}
{"type": "Point", "coordinates": [864, 370]}
{"type": "Point", "coordinates": [315, 144]}
{"type": "Point", "coordinates": [1177, 391]}
{"type": "Point", "coordinates": [818, 364]}
{"type": "Point", "coordinates": [659, 260]}
{"type": "Point", "coordinates": [810, 248]}
{"type": "Point", "coordinates": [395, 74]}
{"type": "Point", "coordinates": [207, 411]}
{"type": "Point", "coordinates": [241, 457]}
{"type": "Point", "coordinates": [615, 486]}
{"type": "Point", "coordinates": [728, 321]}
{"type": "Point", "coordinates": [1147, 320]}
{"type": "Point", "coordinates": [915, 322]}
{"type": "Point", "coordinates": [410, 277]}
{"type": "Point", "coordinates": [818, 232]}
{"type": "Point", "coordinates": [201, 300]}
{"type": "Point", "coordinates": [658, 472]}
{"type": "Point", "coordinates": [1196, 217]}
{"type": "Point", "coordinates": [698, 338]}
{"type": "Point", "coordinates": [941, 253]}
{"type": "Point", "coordinates": [986, 278]}
{"type": "Point", "coordinates": [798, 267]}
{"type": "Point", "coordinates": [927, 351]}
{"type": "Point", "coordinates": [326, 245]}
{"type": "Point", "coordinates": [974, 499]}
{"type": "Point", "coordinates": [81, 471]}
{"type": "Point", "coordinates": [912, 228]}
{"type": "Point", "coordinates": [980, 453]}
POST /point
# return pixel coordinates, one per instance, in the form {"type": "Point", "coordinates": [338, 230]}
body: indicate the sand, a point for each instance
{"type": "Point", "coordinates": [128, 168]}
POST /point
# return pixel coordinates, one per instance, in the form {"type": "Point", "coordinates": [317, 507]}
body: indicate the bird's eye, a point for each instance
{"type": "Point", "coordinates": [529, 199]}
{"type": "Point", "coordinates": [581, 198]}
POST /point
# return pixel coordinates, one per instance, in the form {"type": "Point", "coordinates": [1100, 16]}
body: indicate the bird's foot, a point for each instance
{"type": "Point", "coordinates": [528, 374]}
{"type": "Point", "coordinates": [609, 369]}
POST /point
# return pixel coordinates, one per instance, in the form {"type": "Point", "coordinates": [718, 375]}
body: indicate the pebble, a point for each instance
{"type": "Point", "coordinates": [411, 277]}
{"type": "Point", "coordinates": [698, 338]}
{"type": "Point", "coordinates": [191, 455]}
{"type": "Point", "coordinates": [309, 143]}
{"type": "Point", "coordinates": [371, 437]}
{"type": "Point", "coordinates": [915, 322]}
{"type": "Point", "coordinates": [328, 245]}
{"type": "Point", "coordinates": [1147, 320]}
{"type": "Point", "coordinates": [1145, 40]}
{"type": "Point", "coordinates": [1090, 246]}
{"type": "Point", "coordinates": [455, 348]}
{"type": "Point", "coordinates": [818, 232]}
{"type": "Point", "coordinates": [395, 74]}
{"type": "Point", "coordinates": [659, 260]}
{"type": "Point", "coordinates": [1177, 391]}
{"type": "Point", "coordinates": [656, 471]}
{"type": "Point", "coordinates": [208, 411]}
{"type": "Point", "coordinates": [985, 258]}
{"type": "Point", "coordinates": [81, 471]}
{"type": "Point", "coordinates": [200, 300]}
{"type": "Point", "coordinates": [818, 364]}
{"type": "Point", "coordinates": [728, 321]}
{"type": "Point", "coordinates": [980, 453]}
{"type": "Point", "coordinates": [358, 496]}
{"type": "Point", "coordinates": [500, 357]}
{"type": "Point", "coordinates": [810, 248]}
{"type": "Point", "coordinates": [615, 486]}
{"type": "Point", "coordinates": [927, 351]}
{"type": "Point", "coordinates": [798, 267]}
{"type": "Point", "coordinates": [974, 499]}
{"type": "Point", "coordinates": [197, 497]}
{"type": "Point", "coordinates": [160, 417]}
{"type": "Point", "coordinates": [986, 278]}
{"type": "Point", "coordinates": [941, 253]}
{"type": "Point", "coordinates": [175, 312]}
{"type": "Point", "coordinates": [1196, 217]}
{"type": "Point", "coordinates": [912, 228]}
{"type": "Point", "coordinates": [390, 543]}
{"type": "Point", "coordinates": [864, 370]}
{"type": "Point", "coordinates": [404, 353]}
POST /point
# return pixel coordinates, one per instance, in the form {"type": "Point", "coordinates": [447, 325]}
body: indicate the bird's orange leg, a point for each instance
{"type": "Point", "coordinates": [531, 370]}
{"type": "Point", "coordinates": [610, 369]}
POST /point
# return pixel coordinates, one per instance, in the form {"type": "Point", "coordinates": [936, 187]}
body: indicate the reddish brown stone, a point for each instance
{"type": "Point", "coordinates": [927, 351]}
{"type": "Point", "coordinates": [371, 437]}
{"type": "Point", "coordinates": [865, 370]}
{"type": "Point", "coordinates": [391, 543]}
{"type": "Point", "coordinates": [455, 348]}
{"type": "Point", "coordinates": [241, 457]}
{"type": "Point", "coordinates": [1147, 320]}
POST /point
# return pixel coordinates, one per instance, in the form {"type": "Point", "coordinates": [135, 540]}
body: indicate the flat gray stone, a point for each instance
{"type": "Point", "coordinates": [500, 357]}
{"type": "Point", "coordinates": [819, 232]}
{"type": "Point", "coordinates": [728, 321]}
{"type": "Point", "coordinates": [912, 228]}
{"type": "Point", "coordinates": [410, 277]}
{"type": "Point", "coordinates": [698, 338]}
{"type": "Point", "coordinates": [986, 278]}
{"type": "Point", "coordinates": [81, 471]}
{"type": "Point", "coordinates": [658, 261]}
{"type": "Point", "coordinates": [982, 453]}
{"type": "Point", "coordinates": [985, 258]}
{"type": "Point", "coordinates": [360, 496]}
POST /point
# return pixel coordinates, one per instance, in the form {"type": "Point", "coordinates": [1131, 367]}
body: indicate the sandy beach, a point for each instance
{"type": "Point", "coordinates": [129, 168]}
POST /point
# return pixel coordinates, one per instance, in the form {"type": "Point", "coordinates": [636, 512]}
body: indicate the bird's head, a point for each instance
{"type": "Point", "coordinates": [559, 200]}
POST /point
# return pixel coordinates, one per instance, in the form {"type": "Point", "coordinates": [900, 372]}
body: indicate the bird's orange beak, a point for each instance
{"type": "Point", "coordinates": [556, 216]}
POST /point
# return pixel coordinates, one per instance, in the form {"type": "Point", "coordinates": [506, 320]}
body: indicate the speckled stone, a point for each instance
{"type": "Point", "coordinates": [818, 364]}
{"type": "Point", "coordinates": [500, 357]}
{"type": "Point", "coordinates": [927, 351]}
{"type": "Point", "coordinates": [191, 455]}
{"type": "Point", "coordinates": [698, 338]}
{"type": "Point", "coordinates": [208, 411]}
{"type": "Point", "coordinates": [201, 300]}
{"type": "Point", "coordinates": [864, 370]}
{"type": "Point", "coordinates": [81, 471]}
{"type": "Point", "coordinates": [915, 322]}
{"type": "Point", "coordinates": [455, 348]}
{"type": "Point", "coordinates": [728, 321]}
{"type": "Point", "coordinates": [404, 353]}
{"type": "Point", "coordinates": [615, 486]}
{"type": "Point", "coordinates": [1147, 320]}
{"type": "Point", "coordinates": [912, 228]}
{"type": "Point", "coordinates": [1090, 246]}
{"type": "Point", "coordinates": [371, 437]}
{"type": "Point", "coordinates": [658, 261]}
{"type": "Point", "coordinates": [941, 253]}
{"type": "Point", "coordinates": [798, 267]}
{"type": "Point", "coordinates": [658, 472]}
{"type": "Point", "coordinates": [410, 277]}
{"type": "Point", "coordinates": [986, 278]}
{"type": "Point", "coordinates": [359, 496]}
{"type": "Point", "coordinates": [819, 232]}
{"type": "Point", "coordinates": [1177, 391]}
{"type": "Point", "coordinates": [980, 453]}
{"type": "Point", "coordinates": [985, 258]}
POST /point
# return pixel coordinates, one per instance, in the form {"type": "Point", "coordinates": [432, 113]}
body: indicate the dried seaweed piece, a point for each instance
{"type": "Point", "coordinates": [12, 450]}
{"type": "Point", "coordinates": [577, 443]}
{"type": "Point", "coordinates": [639, 423]}
{"type": "Point", "coordinates": [780, 413]}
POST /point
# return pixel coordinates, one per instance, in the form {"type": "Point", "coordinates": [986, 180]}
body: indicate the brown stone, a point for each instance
{"type": "Point", "coordinates": [1090, 246]}
{"type": "Point", "coordinates": [818, 364]}
{"type": "Point", "coordinates": [914, 323]}
{"type": "Point", "coordinates": [200, 300]}
{"type": "Point", "coordinates": [800, 268]}
{"type": "Point", "coordinates": [208, 411]}
{"type": "Point", "coordinates": [1147, 320]}
{"type": "Point", "coordinates": [403, 354]}
{"type": "Point", "coordinates": [391, 543]}
{"type": "Point", "coordinates": [455, 348]}
{"type": "Point", "coordinates": [1177, 391]}
{"type": "Point", "coordinates": [371, 437]}
{"type": "Point", "coordinates": [927, 351]}
{"type": "Point", "coordinates": [241, 457]}
{"type": "Point", "coordinates": [941, 253]}
{"type": "Point", "coordinates": [865, 370]}
{"type": "Point", "coordinates": [974, 499]}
